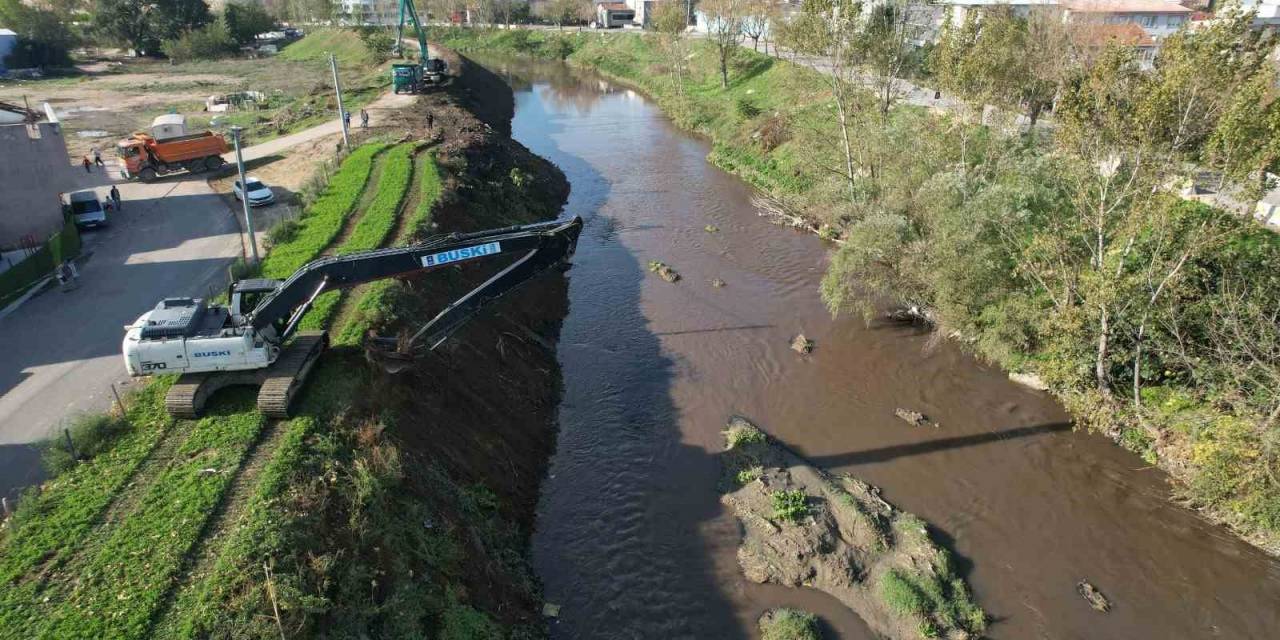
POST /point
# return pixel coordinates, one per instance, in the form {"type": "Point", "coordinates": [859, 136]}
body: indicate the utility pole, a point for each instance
{"type": "Point", "coordinates": [244, 195]}
{"type": "Point", "coordinates": [342, 115]}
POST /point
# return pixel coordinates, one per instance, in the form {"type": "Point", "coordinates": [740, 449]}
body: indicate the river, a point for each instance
{"type": "Point", "coordinates": [631, 539]}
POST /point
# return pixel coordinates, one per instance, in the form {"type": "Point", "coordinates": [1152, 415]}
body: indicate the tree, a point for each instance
{"type": "Point", "coordinates": [143, 24]}
{"type": "Point", "coordinates": [561, 12]}
{"type": "Point", "coordinates": [245, 20]}
{"type": "Point", "coordinates": [755, 20]}
{"type": "Point", "coordinates": [670, 20]}
{"type": "Point", "coordinates": [1245, 144]}
{"type": "Point", "coordinates": [724, 24]}
{"type": "Point", "coordinates": [826, 28]}
{"type": "Point", "coordinates": [206, 43]}
{"type": "Point", "coordinates": [887, 44]}
{"type": "Point", "coordinates": [43, 39]}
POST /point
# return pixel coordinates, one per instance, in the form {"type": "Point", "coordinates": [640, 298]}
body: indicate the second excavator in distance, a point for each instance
{"type": "Point", "coordinates": [247, 341]}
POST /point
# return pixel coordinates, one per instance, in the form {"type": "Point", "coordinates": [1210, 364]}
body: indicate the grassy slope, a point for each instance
{"type": "Point", "coordinates": [1211, 451]}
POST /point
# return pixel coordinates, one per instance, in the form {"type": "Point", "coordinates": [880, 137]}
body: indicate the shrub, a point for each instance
{"type": "Point", "coordinates": [91, 434]}
{"type": "Point", "coordinates": [789, 624]}
{"type": "Point", "coordinates": [746, 108]}
{"type": "Point", "coordinates": [206, 43]}
{"type": "Point", "coordinates": [324, 219]}
{"type": "Point", "coordinates": [901, 595]}
{"type": "Point", "coordinates": [742, 432]}
{"type": "Point", "coordinates": [789, 506]}
{"type": "Point", "coordinates": [284, 231]}
{"type": "Point", "coordinates": [749, 475]}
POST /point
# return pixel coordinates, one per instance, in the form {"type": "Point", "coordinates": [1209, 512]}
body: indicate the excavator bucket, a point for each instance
{"type": "Point", "coordinates": [394, 355]}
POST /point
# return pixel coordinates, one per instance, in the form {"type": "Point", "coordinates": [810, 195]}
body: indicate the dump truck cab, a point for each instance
{"type": "Point", "coordinates": [132, 152]}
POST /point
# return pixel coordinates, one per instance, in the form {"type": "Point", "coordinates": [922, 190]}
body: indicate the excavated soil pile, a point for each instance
{"type": "Point", "coordinates": [804, 527]}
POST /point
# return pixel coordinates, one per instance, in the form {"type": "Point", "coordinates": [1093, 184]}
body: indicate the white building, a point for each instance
{"type": "Point", "coordinates": [375, 12]}
{"type": "Point", "coordinates": [1158, 18]}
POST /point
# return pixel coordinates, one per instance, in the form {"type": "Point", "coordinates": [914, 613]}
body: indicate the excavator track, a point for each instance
{"type": "Point", "coordinates": [187, 396]}
{"type": "Point", "coordinates": [287, 375]}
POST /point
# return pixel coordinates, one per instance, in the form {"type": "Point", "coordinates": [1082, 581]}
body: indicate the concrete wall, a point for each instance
{"type": "Point", "coordinates": [34, 170]}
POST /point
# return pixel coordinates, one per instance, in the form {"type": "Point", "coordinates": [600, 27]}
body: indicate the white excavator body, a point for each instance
{"type": "Point", "coordinates": [183, 335]}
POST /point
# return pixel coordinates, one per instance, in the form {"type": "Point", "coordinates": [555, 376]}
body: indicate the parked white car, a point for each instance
{"type": "Point", "coordinates": [259, 194]}
{"type": "Point", "coordinates": [86, 209]}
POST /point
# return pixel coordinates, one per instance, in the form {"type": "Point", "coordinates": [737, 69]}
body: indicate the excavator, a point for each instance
{"type": "Point", "coordinates": [407, 77]}
{"type": "Point", "coordinates": [254, 338]}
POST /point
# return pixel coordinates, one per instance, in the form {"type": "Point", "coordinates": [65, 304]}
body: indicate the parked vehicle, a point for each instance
{"type": "Point", "coordinates": [613, 16]}
{"type": "Point", "coordinates": [86, 209]}
{"type": "Point", "coordinates": [168, 148]}
{"type": "Point", "coordinates": [259, 194]}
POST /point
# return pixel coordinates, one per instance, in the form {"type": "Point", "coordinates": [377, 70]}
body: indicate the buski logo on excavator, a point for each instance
{"type": "Point", "coordinates": [465, 253]}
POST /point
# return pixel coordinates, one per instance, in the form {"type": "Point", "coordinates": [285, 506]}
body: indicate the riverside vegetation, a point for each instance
{"type": "Point", "coordinates": [341, 520]}
{"type": "Point", "coordinates": [1062, 250]}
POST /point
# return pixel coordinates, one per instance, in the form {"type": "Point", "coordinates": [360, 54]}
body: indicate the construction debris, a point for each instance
{"type": "Point", "coordinates": [801, 344]}
{"type": "Point", "coordinates": [717, 282]}
{"type": "Point", "coordinates": [711, 228]}
{"type": "Point", "coordinates": [663, 271]}
{"type": "Point", "coordinates": [1094, 597]}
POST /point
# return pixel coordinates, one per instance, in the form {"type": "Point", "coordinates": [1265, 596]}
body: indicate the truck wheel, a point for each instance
{"type": "Point", "coordinates": [214, 162]}
{"type": "Point", "coordinates": [195, 166]}
{"type": "Point", "coordinates": [147, 175]}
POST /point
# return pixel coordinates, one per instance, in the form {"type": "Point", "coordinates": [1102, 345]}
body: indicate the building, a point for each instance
{"type": "Point", "coordinates": [1267, 12]}
{"type": "Point", "coordinates": [1157, 18]}
{"type": "Point", "coordinates": [8, 41]}
{"type": "Point", "coordinates": [34, 172]}
{"type": "Point", "coordinates": [370, 12]}
{"type": "Point", "coordinates": [961, 8]}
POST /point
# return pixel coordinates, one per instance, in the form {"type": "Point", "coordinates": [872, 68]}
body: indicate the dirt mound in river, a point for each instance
{"type": "Point", "coordinates": [804, 527]}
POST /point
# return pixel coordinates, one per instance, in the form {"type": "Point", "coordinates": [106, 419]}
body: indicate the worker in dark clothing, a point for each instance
{"type": "Point", "coordinates": [97, 158]}
{"type": "Point", "coordinates": [431, 118]}
{"type": "Point", "coordinates": [364, 119]}
{"type": "Point", "coordinates": [87, 165]}
{"type": "Point", "coordinates": [115, 198]}
{"type": "Point", "coordinates": [346, 119]}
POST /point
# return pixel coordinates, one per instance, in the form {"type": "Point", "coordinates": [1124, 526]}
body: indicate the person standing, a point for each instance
{"type": "Point", "coordinates": [346, 119]}
{"type": "Point", "coordinates": [97, 158]}
{"type": "Point", "coordinates": [364, 119]}
{"type": "Point", "coordinates": [115, 198]}
{"type": "Point", "coordinates": [87, 165]}
{"type": "Point", "coordinates": [431, 118]}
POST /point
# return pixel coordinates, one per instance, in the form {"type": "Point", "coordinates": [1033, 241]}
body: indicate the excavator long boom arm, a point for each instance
{"type": "Point", "coordinates": [535, 247]}
{"type": "Point", "coordinates": [406, 7]}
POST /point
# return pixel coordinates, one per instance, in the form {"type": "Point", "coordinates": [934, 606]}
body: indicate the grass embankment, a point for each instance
{"type": "Point", "coordinates": [983, 232]}
{"type": "Point", "coordinates": [373, 225]}
{"type": "Point", "coordinates": [377, 300]}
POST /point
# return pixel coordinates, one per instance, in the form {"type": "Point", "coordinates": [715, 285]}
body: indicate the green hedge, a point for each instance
{"type": "Point", "coordinates": [62, 245]}
{"type": "Point", "coordinates": [324, 219]}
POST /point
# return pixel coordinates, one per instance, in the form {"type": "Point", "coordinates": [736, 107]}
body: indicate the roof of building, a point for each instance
{"type": "Point", "coordinates": [614, 6]}
{"type": "Point", "coordinates": [1125, 6]}
{"type": "Point", "coordinates": [1128, 34]}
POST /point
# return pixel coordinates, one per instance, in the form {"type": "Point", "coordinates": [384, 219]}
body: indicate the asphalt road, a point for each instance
{"type": "Point", "coordinates": [62, 349]}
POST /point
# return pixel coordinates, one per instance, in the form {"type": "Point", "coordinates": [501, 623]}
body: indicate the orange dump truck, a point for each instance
{"type": "Point", "coordinates": [168, 148]}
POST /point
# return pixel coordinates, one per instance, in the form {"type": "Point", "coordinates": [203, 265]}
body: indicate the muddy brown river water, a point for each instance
{"type": "Point", "coordinates": [631, 539]}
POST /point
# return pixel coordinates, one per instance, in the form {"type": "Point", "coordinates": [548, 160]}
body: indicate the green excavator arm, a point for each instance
{"type": "Point", "coordinates": [407, 8]}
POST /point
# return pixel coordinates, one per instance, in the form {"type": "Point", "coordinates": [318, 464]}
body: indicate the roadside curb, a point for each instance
{"type": "Point", "coordinates": [31, 293]}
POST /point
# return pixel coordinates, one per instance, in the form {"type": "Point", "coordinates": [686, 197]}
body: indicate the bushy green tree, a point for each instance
{"type": "Point", "coordinates": [245, 20]}
{"type": "Point", "coordinates": [206, 43]}
{"type": "Point", "coordinates": [143, 24]}
{"type": "Point", "coordinates": [43, 38]}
